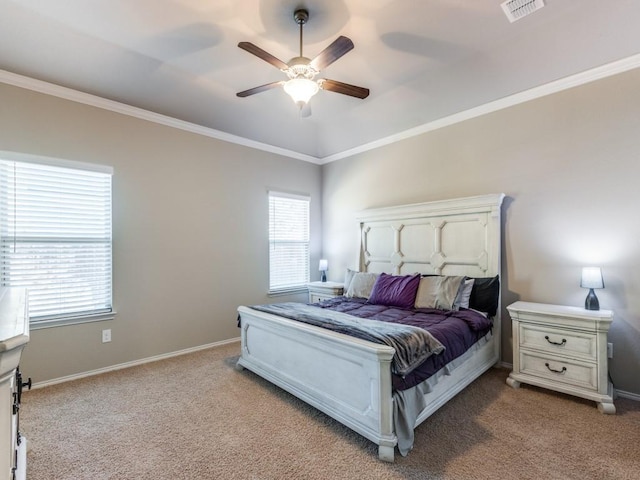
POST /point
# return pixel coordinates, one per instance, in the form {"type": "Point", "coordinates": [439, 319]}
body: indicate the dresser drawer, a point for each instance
{"type": "Point", "coordinates": [558, 369]}
{"type": "Point", "coordinates": [558, 341]}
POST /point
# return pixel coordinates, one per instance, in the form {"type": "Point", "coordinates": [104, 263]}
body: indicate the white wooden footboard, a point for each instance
{"type": "Point", "coordinates": [346, 378]}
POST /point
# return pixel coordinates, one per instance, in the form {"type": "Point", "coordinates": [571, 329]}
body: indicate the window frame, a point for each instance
{"type": "Point", "coordinates": [70, 318]}
{"type": "Point", "coordinates": [302, 285]}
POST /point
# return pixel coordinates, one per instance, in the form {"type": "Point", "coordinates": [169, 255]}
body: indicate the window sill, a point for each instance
{"type": "Point", "coordinates": [289, 291]}
{"type": "Point", "coordinates": [62, 322]}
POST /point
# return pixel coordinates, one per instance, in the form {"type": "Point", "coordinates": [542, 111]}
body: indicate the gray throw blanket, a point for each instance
{"type": "Point", "coordinates": [413, 345]}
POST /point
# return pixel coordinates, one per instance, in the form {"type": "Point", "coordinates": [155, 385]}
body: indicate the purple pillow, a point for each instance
{"type": "Point", "coordinates": [395, 290]}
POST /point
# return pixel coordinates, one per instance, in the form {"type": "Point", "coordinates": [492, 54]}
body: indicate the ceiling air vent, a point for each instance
{"type": "Point", "coordinates": [517, 9]}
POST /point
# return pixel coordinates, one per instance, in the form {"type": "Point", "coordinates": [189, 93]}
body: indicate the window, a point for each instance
{"type": "Point", "coordinates": [55, 239]}
{"type": "Point", "coordinates": [288, 242]}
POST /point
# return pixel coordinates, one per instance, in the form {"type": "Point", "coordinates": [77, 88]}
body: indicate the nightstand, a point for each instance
{"type": "Point", "coordinates": [323, 290]}
{"type": "Point", "coordinates": [562, 348]}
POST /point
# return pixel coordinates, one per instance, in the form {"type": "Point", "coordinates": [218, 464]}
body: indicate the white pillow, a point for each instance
{"type": "Point", "coordinates": [361, 285]}
{"type": "Point", "coordinates": [438, 292]}
{"type": "Point", "coordinates": [348, 276]}
{"type": "Point", "coordinates": [464, 294]}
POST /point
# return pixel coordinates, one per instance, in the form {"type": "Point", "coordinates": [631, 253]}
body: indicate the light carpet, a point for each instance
{"type": "Point", "coordinates": [196, 417]}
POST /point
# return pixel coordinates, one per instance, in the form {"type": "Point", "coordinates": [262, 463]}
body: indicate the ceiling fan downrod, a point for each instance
{"type": "Point", "coordinates": [301, 16]}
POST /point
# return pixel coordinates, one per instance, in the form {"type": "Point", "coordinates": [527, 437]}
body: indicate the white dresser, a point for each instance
{"type": "Point", "coordinates": [562, 348]}
{"type": "Point", "coordinates": [14, 335]}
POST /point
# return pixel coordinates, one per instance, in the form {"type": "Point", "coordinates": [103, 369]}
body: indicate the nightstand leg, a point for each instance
{"type": "Point", "coordinates": [607, 408]}
{"type": "Point", "coordinates": [513, 383]}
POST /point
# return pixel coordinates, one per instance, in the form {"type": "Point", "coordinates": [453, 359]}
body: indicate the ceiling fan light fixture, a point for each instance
{"type": "Point", "coordinates": [301, 70]}
{"type": "Point", "coordinates": [301, 89]}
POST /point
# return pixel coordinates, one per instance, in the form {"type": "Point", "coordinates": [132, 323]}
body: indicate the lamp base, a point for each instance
{"type": "Point", "coordinates": [591, 302]}
{"type": "Point", "coordinates": [323, 278]}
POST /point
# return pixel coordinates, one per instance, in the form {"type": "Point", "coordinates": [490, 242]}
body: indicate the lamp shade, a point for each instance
{"type": "Point", "coordinates": [591, 278]}
{"type": "Point", "coordinates": [301, 89]}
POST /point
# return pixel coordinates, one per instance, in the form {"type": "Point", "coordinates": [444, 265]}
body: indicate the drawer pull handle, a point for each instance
{"type": "Point", "coordinates": [564, 340]}
{"type": "Point", "coordinates": [564, 369]}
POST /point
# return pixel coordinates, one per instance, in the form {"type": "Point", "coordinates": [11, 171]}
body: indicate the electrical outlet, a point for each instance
{"type": "Point", "coordinates": [609, 350]}
{"type": "Point", "coordinates": [106, 335]}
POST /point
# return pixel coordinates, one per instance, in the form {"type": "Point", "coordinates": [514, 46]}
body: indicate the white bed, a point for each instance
{"type": "Point", "coordinates": [350, 379]}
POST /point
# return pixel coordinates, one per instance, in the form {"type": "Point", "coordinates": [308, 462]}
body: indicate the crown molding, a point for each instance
{"type": "Point", "coordinates": [588, 76]}
{"type": "Point", "coordinates": [66, 93]}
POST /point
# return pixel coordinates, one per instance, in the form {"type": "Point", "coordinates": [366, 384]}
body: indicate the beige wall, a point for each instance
{"type": "Point", "coordinates": [569, 165]}
{"type": "Point", "coordinates": [190, 213]}
{"type": "Point", "coordinates": [190, 229]}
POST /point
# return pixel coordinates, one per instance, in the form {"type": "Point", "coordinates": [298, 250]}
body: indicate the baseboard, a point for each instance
{"type": "Point", "coordinates": [618, 393]}
{"type": "Point", "coordinates": [628, 395]}
{"type": "Point", "coordinates": [133, 363]}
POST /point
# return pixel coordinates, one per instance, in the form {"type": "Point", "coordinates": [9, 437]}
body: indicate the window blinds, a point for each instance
{"type": "Point", "coordinates": [288, 241]}
{"type": "Point", "coordinates": [55, 238]}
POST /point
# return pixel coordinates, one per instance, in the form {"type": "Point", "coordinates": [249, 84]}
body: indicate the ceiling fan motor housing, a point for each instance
{"type": "Point", "coordinates": [299, 68]}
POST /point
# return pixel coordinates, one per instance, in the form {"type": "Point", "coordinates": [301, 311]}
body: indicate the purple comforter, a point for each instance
{"type": "Point", "coordinates": [456, 330]}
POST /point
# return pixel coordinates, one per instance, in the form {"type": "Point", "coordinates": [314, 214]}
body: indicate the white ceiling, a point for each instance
{"type": "Point", "coordinates": [423, 60]}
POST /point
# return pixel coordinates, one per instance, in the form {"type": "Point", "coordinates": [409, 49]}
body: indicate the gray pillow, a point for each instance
{"type": "Point", "coordinates": [438, 292]}
{"type": "Point", "coordinates": [361, 285]}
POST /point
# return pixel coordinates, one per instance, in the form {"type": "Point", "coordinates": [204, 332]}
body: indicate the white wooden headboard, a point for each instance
{"type": "Point", "coordinates": [448, 237]}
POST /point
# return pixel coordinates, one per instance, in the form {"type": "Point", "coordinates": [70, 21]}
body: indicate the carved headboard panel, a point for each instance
{"type": "Point", "coordinates": [449, 237]}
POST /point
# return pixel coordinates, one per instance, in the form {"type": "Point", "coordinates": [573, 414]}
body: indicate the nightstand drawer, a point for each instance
{"type": "Point", "coordinates": [558, 341]}
{"type": "Point", "coordinates": [317, 297]}
{"type": "Point", "coordinates": [561, 370]}
{"type": "Point", "coordinates": [319, 291]}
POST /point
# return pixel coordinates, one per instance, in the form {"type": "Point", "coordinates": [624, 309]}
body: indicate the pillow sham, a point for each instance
{"type": "Point", "coordinates": [464, 294]}
{"type": "Point", "coordinates": [438, 292]}
{"type": "Point", "coordinates": [361, 285]}
{"type": "Point", "coordinates": [395, 290]}
{"type": "Point", "coordinates": [348, 277]}
{"type": "Point", "coordinates": [484, 295]}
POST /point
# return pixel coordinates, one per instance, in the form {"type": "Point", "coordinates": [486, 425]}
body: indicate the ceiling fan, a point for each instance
{"type": "Point", "coordinates": [301, 70]}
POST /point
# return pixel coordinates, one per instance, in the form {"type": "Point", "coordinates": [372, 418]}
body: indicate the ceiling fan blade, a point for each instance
{"type": "Point", "coordinates": [344, 88]}
{"type": "Point", "coordinates": [333, 52]}
{"type": "Point", "coordinates": [261, 88]}
{"type": "Point", "coordinates": [267, 57]}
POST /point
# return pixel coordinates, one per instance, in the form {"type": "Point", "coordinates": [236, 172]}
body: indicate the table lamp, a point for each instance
{"type": "Point", "coordinates": [324, 266]}
{"type": "Point", "coordinates": [591, 278]}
